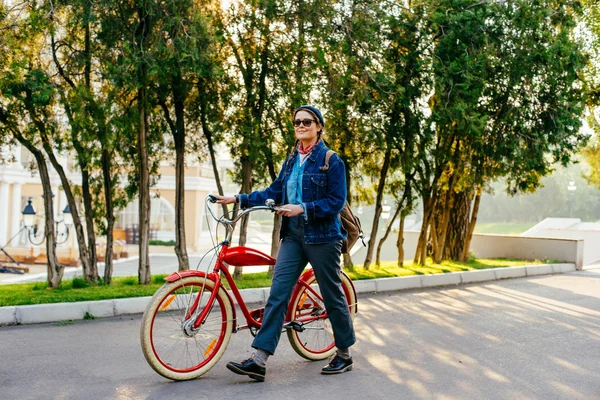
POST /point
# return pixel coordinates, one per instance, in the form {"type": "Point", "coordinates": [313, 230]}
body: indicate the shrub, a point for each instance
{"type": "Point", "coordinates": [80, 283]}
{"type": "Point", "coordinates": [160, 278]}
{"type": "Point", "coordinates": [161, 243]}
{"type": "Point", "coordinates": [129, 281]}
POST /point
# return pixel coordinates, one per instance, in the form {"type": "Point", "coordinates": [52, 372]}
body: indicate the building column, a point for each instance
{"type": "Point", "coordinates": [16, 212]}
{"type": "Point", "coordinates": [63, 201]}
{"type": "Point", "coordinates": [17, 153]}
{"type": "Point", "coordinates": [3, 213]}
{"type": "Point", "coordinates": [55, 201]}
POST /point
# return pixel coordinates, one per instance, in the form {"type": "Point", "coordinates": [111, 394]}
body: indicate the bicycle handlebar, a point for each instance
{"type": "Point", "coordinates": [269, 206]}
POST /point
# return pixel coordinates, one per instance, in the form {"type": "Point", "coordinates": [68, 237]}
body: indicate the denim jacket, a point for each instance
{"type": "Point", "coordinates": [323, 195]}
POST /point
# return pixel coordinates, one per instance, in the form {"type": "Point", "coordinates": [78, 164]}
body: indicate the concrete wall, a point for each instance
{"type": "Point", "coordinates": [492, 246]}
{"type": "Point", "coordinates": [529, 248]}
{"type": "Point", "coordinates": [591, 239]}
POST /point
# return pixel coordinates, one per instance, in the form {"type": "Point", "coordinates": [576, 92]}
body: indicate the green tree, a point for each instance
{"type": "Point", "coordinates": [72, 56]}
{"type": "Point", "coordinates": [248, 31]}
{"type": "Point", "coordinates": [129, 35]}
{"type": "Point", "coordinates": [506, 103]}
{"type": "Point", "coordinates": [346, 50]}
{"type": "Point", "coordinates": [591, 20]}
{"type": "Point", "coordinates": [184, 63]}
{"type": "Point", "coordinates": [28, 103]}
{"type": "Point", "coordinates": [400, 90]}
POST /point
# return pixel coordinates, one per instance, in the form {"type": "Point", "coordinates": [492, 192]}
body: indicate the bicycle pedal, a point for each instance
{"type": "Point", "coordinates": [295, 325]}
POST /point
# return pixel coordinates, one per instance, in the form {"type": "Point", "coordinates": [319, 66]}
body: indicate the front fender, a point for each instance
{"type": "Point", "coordinates": [175, 276]}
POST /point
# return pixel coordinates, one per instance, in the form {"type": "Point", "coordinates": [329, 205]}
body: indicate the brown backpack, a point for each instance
{"type": "Point", "coordinates": [350, 222]}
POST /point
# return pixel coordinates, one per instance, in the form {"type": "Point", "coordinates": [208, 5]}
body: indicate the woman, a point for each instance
{"type": "Point", "coordinates": [311, 231]}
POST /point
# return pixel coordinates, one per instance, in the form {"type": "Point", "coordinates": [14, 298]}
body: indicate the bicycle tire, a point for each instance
{"type": "Point", "coordinates": [316, 342]}
{"type": "Point", "coordinates": [167, 348]}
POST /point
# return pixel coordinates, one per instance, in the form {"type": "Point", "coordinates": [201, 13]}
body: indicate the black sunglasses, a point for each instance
{"type": "Point", "coordinates": [306, 122]}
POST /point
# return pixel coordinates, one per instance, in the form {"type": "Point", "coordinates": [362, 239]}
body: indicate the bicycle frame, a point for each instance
{"type": "Point", "coordinates": [215, 276]}
{"type": "Point", "coordinates": [240, 256]}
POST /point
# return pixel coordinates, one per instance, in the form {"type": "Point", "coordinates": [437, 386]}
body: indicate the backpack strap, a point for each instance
{"type": "Point", "coordinates": [325, 166]}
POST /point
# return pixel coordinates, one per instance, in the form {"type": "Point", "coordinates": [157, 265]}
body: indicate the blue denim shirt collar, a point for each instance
{"type": "Point", "coordinates": [313, 157]}
{"type": "Point", "coordinates": [319, 148]}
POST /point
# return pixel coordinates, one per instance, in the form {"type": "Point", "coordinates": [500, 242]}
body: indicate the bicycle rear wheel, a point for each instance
{"type": "Point", "coordinates": [316, 341]}
{"type": "Point", "coordinates": [170, 345]}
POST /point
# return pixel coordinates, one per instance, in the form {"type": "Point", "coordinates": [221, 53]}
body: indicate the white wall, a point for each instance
{"type": "Point", "coordinates": [591, 239]}
{"type": "Point", "coordinates": [491, 246]}
{"type": "Point", "coordinates": [571, 228]}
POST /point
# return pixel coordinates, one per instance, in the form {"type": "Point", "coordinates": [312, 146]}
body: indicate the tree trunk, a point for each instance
{"type": "Point", "coordinates": [246, 188]}
{"type": "Point", "coordinates": [144, 204]}
{"type": "Point", "coordinates": [142, 33]}
{"type": "Point", "coordinates": [180, 242]}
{"type": "Point", "coordinates": [472, 223]}
{"type": "Point", "coordinates": [275, 240]}
{"type": "Point", "coordinates": [55, 270]}
{"type": "Point", "coordinates": [432, 243]}
{"type": "Point", "coordinates": [85, 172]}
{"type": "Point", "coordinates": [378, 208]}
{"type": "Point", "coordinates": [444, 219]}
{"type": "Point", "coordinates": [110, 216]}
{"type": "Point", "coordinates": [458, 227]}
{"type": "Point", "coordinates": [92, 275]}
{"type": "Point", "coordinates": [400, 241]}
{"type": "Point", "coordinates": [387, 233]}
{"type": "Point", "coordinates": [346, 258]}
{"type": "Point", "coordinates": [421, 254]}
{"type": "Point", "coordinates": [83, 251]}
{"type": "Point", "coordinates": [209, 139]}
{"type": "Point", "coordinates": [179, 95]}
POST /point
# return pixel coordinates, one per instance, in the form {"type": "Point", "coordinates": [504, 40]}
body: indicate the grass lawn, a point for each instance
{"type": "Point", "coordinates": [390, 269]}
{"type": "Point", "coordinates": [78, 290]}
{"type": "Point", "coordinates": [504, 228]}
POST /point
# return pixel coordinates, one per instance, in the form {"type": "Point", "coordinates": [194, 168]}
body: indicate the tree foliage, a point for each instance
{"type": "Point", "coordinates": [424, 99]}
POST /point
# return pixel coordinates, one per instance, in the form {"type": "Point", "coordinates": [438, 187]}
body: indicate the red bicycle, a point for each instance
{"type": "Point", "coordinates": [189, 321]}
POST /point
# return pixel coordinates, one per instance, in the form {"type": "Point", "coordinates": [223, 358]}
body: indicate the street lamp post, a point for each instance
{"type": "Point", "coordinates": [29, 220]}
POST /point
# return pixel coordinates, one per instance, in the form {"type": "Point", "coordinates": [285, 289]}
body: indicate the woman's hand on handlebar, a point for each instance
{"type": "Point", "coordinates": [225, 199]}
{"type": "Point", "coordinates": [290, 210]}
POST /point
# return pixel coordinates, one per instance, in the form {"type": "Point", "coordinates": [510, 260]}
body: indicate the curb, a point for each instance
{"type": "Point", "coordinates": [40, 313]}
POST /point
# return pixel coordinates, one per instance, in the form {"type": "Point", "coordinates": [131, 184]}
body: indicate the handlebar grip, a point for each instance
{"type": "Point", "coordinates": [212, 198]}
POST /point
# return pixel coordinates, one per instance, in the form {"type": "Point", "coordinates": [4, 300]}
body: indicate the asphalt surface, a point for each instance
{"type": "Point", "coordinates": [529, 338]}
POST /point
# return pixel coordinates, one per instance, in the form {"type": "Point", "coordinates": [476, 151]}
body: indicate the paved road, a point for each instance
{"type": "Point", "coordinates": [531, 338]}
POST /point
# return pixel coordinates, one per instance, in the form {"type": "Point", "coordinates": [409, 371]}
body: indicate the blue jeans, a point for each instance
{"type": "Point", "coordinates": [293, 256]}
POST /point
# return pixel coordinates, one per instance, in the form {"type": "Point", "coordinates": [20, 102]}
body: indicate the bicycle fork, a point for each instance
{"type": "Point", "coordinates": [195, 316]}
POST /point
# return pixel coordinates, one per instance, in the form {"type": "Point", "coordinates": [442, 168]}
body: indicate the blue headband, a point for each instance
{"type": "Point", "coordinates": [314, 110]}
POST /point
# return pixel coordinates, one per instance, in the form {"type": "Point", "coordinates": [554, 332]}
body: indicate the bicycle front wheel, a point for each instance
{"type": "Point", "coordinates": [316, 341]}
{"type": "Point", "coordinates": [171, 346]}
